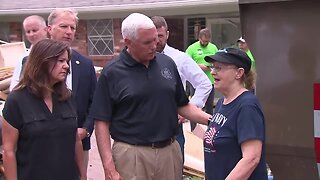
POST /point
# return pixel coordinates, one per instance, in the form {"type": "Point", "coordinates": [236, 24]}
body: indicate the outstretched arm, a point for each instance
{"type": "Point", "coordinates": [104, 147]}
{"type": "Point", "coordinates": [194, 114]}
{"type": "Point", "coordinates": [198, 80]}
{"type": "Point", "coordinates": [10, 139]}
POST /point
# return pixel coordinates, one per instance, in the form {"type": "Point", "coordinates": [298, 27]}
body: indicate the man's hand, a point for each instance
{"type": "Point", "coordinates": [113, 175]}
{"type": "Point", "coordinates": [82, 133]}
{"type": "Point", "coordinates": [204, 67]}
{"type": "Point", "coordinates": [181, 119]}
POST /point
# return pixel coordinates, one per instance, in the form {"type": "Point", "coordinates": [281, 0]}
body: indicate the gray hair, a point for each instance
{"type": "Point", "coordinates": [133, 22]}
{"type": "Point", "coordinates": [39, 20]}
{"type": "Point", "coordinates": [56, 12]}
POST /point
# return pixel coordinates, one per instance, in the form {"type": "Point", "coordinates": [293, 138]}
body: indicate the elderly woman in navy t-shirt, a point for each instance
{"type": "Point", "coordinates": [234, 143]}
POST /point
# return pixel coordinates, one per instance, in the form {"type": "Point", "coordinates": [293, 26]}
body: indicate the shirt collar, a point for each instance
{"type": "Point", "coordinates": [129, 61]}
{"type": "Point", "coordinates": [165, 50]}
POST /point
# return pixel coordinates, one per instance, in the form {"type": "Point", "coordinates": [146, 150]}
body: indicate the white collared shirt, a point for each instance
{"type": "Point", "coordinates": [69, 76]}
{"type": "Point", "coordinates": [190, 71]}
{"type": "Point", "coordinates": [17, 70]}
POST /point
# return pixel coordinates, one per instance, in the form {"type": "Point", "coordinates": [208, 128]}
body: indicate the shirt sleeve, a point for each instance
{"type": "Point", "coordinates": [101, 107]}
{"type": "Point", "coordinates": [189, 51]}
{"type": "Point", "coordinates": [16, 75]}
{"type": "Point", "coordinates": [181, 97]}
{"type": "Point", "coordinates": [199, 80]}
{"type": "Point", "coordinates": [89, 123]}
{"type": "Point", "coordinates": [11, 112]}
{"type": "Point", "coordinates": [250, 124]}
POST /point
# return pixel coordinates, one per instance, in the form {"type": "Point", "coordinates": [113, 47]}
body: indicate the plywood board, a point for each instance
{"type": "Point", "coordinates": [11, 53]}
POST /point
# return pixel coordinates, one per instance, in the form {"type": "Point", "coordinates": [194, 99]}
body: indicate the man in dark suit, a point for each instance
{"type": "Point", "coordinates": [82, 80]}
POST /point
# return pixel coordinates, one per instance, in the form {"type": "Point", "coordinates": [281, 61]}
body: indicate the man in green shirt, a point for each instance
{"type": "Point", "coordinates": [198, 51]}
{"type": "Point", "coordinates": [242, 44]}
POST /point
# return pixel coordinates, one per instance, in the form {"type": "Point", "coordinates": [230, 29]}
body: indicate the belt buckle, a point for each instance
{"type": "Point", "coordinates": [153, 145]}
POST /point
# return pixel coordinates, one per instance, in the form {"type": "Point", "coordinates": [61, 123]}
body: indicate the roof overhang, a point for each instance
{"type": "Point", "coordinates": [174, 8]}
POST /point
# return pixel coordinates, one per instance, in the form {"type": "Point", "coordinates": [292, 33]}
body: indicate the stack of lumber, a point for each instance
{"type": "Point", "coordinates": [5, 79]}
{"type": "Point", "coordinates": [194, 155]}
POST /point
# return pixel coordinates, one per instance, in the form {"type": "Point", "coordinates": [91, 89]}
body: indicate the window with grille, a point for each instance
{"type": "Point", "coordinates": [194, 26]}
{"type": "Point", "coordinates": [100, 37]}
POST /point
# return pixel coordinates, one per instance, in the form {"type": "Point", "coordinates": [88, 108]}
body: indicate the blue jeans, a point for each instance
{"type": "Point", "coordinates": [181, 140]}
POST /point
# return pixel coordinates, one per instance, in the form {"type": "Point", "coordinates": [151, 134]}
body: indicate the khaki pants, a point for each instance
{"type": "Point", "coordinates": [145, 163]}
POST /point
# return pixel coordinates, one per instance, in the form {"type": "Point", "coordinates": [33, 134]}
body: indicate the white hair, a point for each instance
{"type": "Point", "coordinates": [35, 18]}
{"type": "Point", "coordinates": [133, 22]}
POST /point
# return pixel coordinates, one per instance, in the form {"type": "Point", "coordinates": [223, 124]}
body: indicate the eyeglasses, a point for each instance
{"type": "Point", "coordinates": [216, 68]}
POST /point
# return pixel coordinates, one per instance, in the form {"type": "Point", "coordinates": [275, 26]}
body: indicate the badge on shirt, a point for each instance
{"type": "Point", "coordinates": [166, 73]}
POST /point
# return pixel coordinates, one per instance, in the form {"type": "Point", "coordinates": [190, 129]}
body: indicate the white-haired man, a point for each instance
{"type": "Point", "coordinates": [129, 105]}
{"type": "Point", "coordinates": [35, 29]}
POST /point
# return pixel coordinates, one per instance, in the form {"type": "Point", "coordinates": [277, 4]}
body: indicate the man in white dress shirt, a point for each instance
{"type": "Point", "coordinates": [188, 70]}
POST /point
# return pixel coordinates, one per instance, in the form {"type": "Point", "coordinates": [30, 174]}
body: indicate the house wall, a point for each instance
{"type": "Point", "coordinates": [80, 43]}
{"type": "Point", "coordinates": [176, 35]}
{"type": "Point", "coordinates": [15, 34]}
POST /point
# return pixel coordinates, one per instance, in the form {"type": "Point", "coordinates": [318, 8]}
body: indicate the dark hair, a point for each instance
{"type": "Point", "coordinates": [36, 74]}
{"type": "Point", "coordinates": [159, 22]}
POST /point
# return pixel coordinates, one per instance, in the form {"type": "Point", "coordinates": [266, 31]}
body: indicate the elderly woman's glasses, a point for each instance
{"type": "Point", "coordinates": [218, 68]}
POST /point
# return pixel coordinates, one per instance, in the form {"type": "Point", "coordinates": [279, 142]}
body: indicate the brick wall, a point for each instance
{"type": "Point", "coordinates": [81, 45]}
{"type": "Point", "coordinates": [118, 41]}
{"type": "Point", "coordinates": [15, 29]}
{"type": "Point", "coordinates": [80, 42]}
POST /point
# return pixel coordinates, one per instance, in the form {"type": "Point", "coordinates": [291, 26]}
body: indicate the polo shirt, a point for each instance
{"type": "Point", "coordinates": [139, 102]}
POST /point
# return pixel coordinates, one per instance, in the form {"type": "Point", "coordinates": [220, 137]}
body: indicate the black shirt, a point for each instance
{"type": "Point", "coordinates": [139, 102]}
{"type": "Point", "coordinates": [46, 143]}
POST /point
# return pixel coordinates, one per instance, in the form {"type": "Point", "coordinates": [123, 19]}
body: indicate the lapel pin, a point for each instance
{"type": "Point", "coordinates": [77, 62]}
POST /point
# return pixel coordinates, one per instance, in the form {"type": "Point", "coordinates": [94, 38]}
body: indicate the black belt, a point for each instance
{"type": "Point", "coordinates": [159, 144]}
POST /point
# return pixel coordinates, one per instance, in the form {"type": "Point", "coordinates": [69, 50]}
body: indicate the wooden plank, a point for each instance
{"type": "Point", "coordinates": [193, 172]}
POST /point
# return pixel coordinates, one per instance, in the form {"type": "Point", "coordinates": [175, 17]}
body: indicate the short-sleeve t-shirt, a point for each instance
{"type": "Point", "coordinates": [231, 125]}
{"type": "Point", "coordinates": [197, 52]}
{"type": "Point", "coordinates": [46, 142]}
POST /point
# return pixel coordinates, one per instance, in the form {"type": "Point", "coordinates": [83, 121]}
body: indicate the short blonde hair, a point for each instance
{"type": "Point", "coordinates": [56, 12]}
